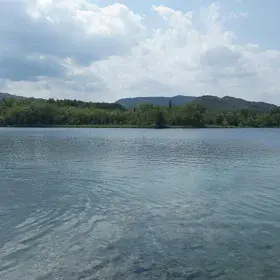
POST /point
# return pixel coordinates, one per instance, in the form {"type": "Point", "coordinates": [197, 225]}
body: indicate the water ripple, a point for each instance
{"type": "Point", "coordinates": [139, 204]}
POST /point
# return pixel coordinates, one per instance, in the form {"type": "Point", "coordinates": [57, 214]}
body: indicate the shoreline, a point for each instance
{"type": "Point", "coordinates": [127, 126]}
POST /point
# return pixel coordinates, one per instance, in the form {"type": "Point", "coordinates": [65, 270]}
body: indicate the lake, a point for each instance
{"type": "Point", "coordinates": [80, 204]}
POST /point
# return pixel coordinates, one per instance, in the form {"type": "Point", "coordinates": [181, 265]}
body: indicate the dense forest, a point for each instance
{"type": "Point", "coordinates": [39, 112]}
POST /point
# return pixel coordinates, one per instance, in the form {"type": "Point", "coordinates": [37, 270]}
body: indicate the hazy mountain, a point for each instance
{"type": "Point", "coordinates": [158, 101]}
{"type": "Point", "coordinates": [212, 103]}
{"type": "Point", "coordinates": [7, 95]}
{"type": "Point", "coordinates": [229, 103]}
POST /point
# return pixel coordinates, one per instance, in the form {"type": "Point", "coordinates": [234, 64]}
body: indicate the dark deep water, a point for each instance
{"type": "Point", "coordinates": [139, 204]}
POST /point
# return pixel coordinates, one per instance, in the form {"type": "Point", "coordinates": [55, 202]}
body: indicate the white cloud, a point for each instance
{"type": "Point", "coordinates": [76, 49]}
{"type": "Point", "coordinates": [239, 15]}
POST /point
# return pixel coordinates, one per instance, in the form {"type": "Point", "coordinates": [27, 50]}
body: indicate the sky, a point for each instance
{"type": "Point", "coordinates": [103, 50]}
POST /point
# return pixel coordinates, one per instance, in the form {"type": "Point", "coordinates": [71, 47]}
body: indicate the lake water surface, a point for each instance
{"type": "Point", "coordinates": [80, 204]}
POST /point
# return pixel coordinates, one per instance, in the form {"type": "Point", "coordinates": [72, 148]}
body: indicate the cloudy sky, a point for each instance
{"type": "Point", "coordinates": [102, 50]}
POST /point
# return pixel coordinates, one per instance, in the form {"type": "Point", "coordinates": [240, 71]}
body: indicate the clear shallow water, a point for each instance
{"type": "Point", "coordinates": [139, 204]}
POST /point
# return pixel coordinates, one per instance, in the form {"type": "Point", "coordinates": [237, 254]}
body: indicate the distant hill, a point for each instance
{"type": "Point", "coordinates": [157, 101]}
{"type": "Point", "coordinates": [7, 95]}
{"type": "Point", "coordinates": [229, 103]}
{"type": "Point", "coordinates": [210, 102]}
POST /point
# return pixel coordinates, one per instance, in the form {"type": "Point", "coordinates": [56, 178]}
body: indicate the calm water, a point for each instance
{"type": "Point", "coordinates": [80, 204]}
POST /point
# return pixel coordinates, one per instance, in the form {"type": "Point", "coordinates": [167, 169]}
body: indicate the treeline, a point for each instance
{"type": "Point", "coordinates": [37, 112]}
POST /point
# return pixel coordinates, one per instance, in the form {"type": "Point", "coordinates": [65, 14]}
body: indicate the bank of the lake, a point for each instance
{"type": "Point", "coordinates": [78, 126]}
{"type": "Point", "coordinates": [134, 126]}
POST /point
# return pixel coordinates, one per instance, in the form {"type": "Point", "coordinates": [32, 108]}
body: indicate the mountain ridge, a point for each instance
{"type": "Point", "coordinates": [210, 102]}
{"type": "Point", "coordinates": [177, 100]}
{"type": "Point", "coordinates": [8, 95]}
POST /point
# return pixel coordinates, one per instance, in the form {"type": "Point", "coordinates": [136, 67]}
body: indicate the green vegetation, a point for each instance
{"type": "Point", "coordinates": [73, 113]}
